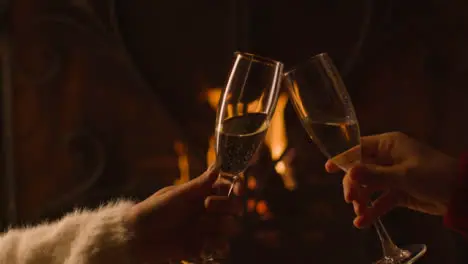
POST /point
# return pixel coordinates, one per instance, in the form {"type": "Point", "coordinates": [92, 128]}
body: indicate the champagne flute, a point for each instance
{"type": "Point", "coordinates": [244, 112]}
{"type": "Point", "coordinates": [322, 103]}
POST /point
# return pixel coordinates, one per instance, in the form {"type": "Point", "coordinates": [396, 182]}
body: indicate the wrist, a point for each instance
{"type": "Point", "coordinates": [130, 220]}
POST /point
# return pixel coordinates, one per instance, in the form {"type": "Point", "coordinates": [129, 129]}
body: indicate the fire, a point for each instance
{"type": "Point", "coordinates": [251, 183]}
{"type": "Point", "coordinates": [211, 154]}
{"type": "Point", "coordinates": [276, 138]}
{"type": "Point", "coordinates": [262, 207]}
{"type": "Point", "coordinates": [212, 96]}
{"type": "Point", "coordinates": [183, 163]}
{"type": "Point", "coordinates": [251, 204]}
{"type": "Point", "coordinates": [277, 142]}
{"type": "Point", "coordinates": [285, 170]}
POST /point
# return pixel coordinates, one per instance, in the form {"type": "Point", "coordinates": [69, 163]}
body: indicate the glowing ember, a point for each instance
{"type": "Point", "coordinates": [212, 96]}
{"type": "Point", "coordinates": [251, 183]}
{"type": "Point", "coordinates": [262, 207]}
{"type": "Point", "coordinates": [263, 211]}
{"type": "Point", "coordinates": [251, 205]}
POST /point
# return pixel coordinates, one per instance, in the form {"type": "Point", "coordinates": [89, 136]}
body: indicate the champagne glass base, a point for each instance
{"type": "Point", "coordinates": [207, 257]}
{"type": "Point", "coordinates": [207, 260]}
{"type": "Point", "coordinates": [406, 255]}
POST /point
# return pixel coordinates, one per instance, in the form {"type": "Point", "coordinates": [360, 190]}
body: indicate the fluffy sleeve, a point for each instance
{"type": "Point", "coordinates": [81, 237]}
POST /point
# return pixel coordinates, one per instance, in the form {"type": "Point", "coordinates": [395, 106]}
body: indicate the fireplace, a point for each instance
{"type": "Point", "coordinates": [140, 80]}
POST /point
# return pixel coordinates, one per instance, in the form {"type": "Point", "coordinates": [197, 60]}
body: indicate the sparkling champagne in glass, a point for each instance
{"type": "Point", "coordinates": [322, 103]}
{"type": "Point", "coordinates": [244, 112]}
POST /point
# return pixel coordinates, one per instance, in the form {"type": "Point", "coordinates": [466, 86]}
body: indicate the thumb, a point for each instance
{"type": "Point", "coordinates": [379, 177]}
{"type": "Point", "coordinates": [200, 186]}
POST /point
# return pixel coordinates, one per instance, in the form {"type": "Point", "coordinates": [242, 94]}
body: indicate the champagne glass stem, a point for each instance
{"type": "Point", "coordinates": [324, 106]}
{"type": "Point", "coordinates": [210, 258]}
{"type": "Point", "coordinates": [391, 252]}
{"type": "Point", "coordinates": [388, 247]}
{"type": "Point", "coordinates": [233, 183]}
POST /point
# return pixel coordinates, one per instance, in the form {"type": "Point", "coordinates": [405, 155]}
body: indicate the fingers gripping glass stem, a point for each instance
{"type": "Point", "coordinates": [233, 183]}
{"type": "Point", "coordinates": [324, 106]}
{"type": "Point", "coordinates": [244, 112]}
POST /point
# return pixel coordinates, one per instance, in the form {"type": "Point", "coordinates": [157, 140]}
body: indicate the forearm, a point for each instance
{"type": "Point", "coordinates": [457, 213]}
{"type": "Point", "coordinates": [82, 237]}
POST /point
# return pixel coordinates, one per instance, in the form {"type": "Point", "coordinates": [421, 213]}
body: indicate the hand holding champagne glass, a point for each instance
{"type": "Point", "coordinates": [244, 112]}
{"type": "Point", "coordinates": [322, 103]}
{"type": "Point", "coordinates": [245, 109]}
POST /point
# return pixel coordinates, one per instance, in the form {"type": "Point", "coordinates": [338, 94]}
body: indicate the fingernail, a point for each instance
{"type": "Point", "coordinates": [347, 197]}
{"type": "Point", "coordinates": [357, 222]}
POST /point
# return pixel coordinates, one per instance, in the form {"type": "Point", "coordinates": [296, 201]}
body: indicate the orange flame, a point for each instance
{"type": "Point", "coordinates": [212, 96]}
{"type": "Point", "coordinates": [183, 163]}
{"type": "Point", "coordinates": [211, 153]}
{"type": "Point", "coordinates": [251, 183]}
{"type": "Point", "coordinates": [251, 205]}
{"type": "Point", "coordinates": [277, 141]}
{"type": "Point", "coordinates": [276, 138]}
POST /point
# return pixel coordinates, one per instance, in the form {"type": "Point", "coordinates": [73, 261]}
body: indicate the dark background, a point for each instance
{"type": "Point", "coordinates": [107, 95]}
